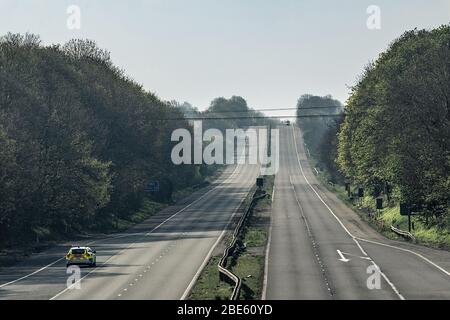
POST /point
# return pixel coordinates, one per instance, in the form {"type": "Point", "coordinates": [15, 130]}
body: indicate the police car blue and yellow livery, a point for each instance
{"type": "Point", "coordinates": [81, 256]}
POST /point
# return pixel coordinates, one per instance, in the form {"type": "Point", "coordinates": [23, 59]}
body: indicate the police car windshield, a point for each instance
{"type": "Point", "coordinates": [77, 251]}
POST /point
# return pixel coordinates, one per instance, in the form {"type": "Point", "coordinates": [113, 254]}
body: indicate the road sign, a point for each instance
{"type": "Point", "coordinates": [416, 208]}
{"type": "Point", "coordinates": [259, 182]}
{"type": "Point", "coordinates": [360, 192]}
{"type": "Point", "coordinates": [152, 186]}
{"type": "Point", "coordinates": [404, 209]}
{"type": "Point", "coordinates": [379, 203]}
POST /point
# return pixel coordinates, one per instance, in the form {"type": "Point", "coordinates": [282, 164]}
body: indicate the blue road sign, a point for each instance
{"type": "Point", "coordinates": [152, 186]}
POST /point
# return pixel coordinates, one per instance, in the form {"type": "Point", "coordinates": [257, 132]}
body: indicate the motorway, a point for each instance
{"type": "Point", "coordinates": [158, 259]}
{"type": "Point", "coordinates": [320, 249]}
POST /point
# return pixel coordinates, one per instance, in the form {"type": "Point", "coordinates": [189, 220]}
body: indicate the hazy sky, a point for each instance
{"type": "Point", "coordinates": [269, 52]}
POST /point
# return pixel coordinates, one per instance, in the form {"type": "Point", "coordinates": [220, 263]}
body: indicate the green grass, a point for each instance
{"type": "Point", "coordinates": [428, 235]}
{"type": "Point", "coordinates": [209, 286]}
{"type": "Point", "coordinates": [433, 237]}
{"type": "Point", "coordinates": [248, 265]}
{"type": "Point", "coordinates": [250, 268]}
{"type": "Point", "coordinates": [148, 209]}
{"type": "Point", "coordinates": [181, 194]}
{"type": "Point", "coordinates": [255, 237]}
{"type": "Point", "coordinates": [391, 216]}
{"type": "Point", "coordinates": [268, 186]}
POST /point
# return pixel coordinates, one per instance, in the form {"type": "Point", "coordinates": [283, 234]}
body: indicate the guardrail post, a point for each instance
{"type": "Point", "coordinates": [225, 274]}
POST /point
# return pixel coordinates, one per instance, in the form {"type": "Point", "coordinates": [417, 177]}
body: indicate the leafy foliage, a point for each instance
{"type": "Point", "coordinates": [397, 122]}
{"type": "Point", "coordinates": [319, 132]}
{"type": "Point", "coordinates": [226, 114]}
{"type": "Point", "coordinates": [79, 140]}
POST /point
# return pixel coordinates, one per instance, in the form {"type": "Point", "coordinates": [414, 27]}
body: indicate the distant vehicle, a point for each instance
{"type": "Point", "coordinates": [81, 256]}
{"type": "Point", "coordinates": [287, 122]}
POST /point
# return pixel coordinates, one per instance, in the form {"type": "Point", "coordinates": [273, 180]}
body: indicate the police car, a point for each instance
{"type": "Point", "coordinates": [81, 256]}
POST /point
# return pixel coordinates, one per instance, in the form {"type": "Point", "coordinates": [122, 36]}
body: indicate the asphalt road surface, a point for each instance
{"type": "Point", "coordinates": [158, 259]}
{"type": "Point", "coordinates": [320, 249]}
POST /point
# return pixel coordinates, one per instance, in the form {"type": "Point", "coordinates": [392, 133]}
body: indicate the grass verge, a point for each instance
{"type": "Point", "coordinates": [209, 286]}
{"type": "Point", "coordinates": [248, 263]}
{"type": "Point", "coordinates": [381, 221]}
{"type": "Point", "coordinates": [11, 256]}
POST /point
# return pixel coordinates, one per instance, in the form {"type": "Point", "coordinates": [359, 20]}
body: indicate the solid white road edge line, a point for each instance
{"type": "Point", "coordinates": [33, 273]}
{"type": "Point", "coordinates": [266, 260]}
{"type": "Point", "coordinates": [340, 222]}
{"type": "Point", "coordinates": [109, 238]}
{"type": "Point", "coordinates": [371, 241]}
{"type": "Point", "coordinates": [208, 256]}
{"type": "Point", "coordinates": [406, 250]}
{"type": "Point", "coordinates": [176, 213]}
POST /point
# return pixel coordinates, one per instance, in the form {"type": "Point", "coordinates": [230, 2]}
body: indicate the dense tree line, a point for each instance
{"type": "Point", "coordinates": [319, 118]}
{"type": "Point", "coordinates": [79, 140]}
{"type": "Point", "coordinates": [327, 151]}
{"type": "Point", "coordinates": [232, 113]}
{"type": "Point", "coordinates": [396, 129]}
{"type": "Point", "coordinates": [225, 113]}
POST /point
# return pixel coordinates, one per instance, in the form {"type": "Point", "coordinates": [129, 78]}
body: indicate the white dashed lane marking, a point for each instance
{"type": "Point", "coordinates": [165, 251]}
